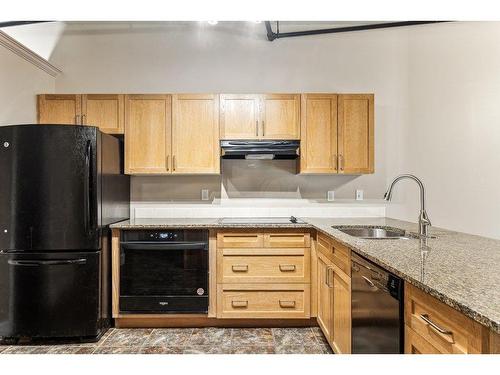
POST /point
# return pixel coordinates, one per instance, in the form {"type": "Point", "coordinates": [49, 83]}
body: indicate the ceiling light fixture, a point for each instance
{"type": "Point", "coordinates": [213, 22]}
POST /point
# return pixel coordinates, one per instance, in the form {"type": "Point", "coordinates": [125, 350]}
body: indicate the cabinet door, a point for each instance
{"type": "Point", "coordinates": [195, 133]}
{"type": "Point", "coordinates": [318, 134]}
{"type": "Point", "coordinates": [341, 334]}
{"type": "Point", "coordinates": [280, 116]}
{"type": "Point", "coordinates": [105, 111]}
{"type": "Point", "coordinates": [147, 133]}
{"type": "Point", "coordinates": [64, 109]}
{"type": "Point", "coordinates": [239, 116]}
{"type": "Point", "coordinates": [356, 133]}
{"type": "Point", "coordinates": [325, 296]}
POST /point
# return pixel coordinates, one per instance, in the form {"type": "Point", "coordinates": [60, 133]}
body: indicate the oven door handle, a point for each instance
{"type": "Point", "coordinates": [134, 245]}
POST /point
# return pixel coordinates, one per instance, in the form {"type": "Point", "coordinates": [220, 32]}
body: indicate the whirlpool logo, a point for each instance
{"type": "Point", "coordinates": [163, 303]}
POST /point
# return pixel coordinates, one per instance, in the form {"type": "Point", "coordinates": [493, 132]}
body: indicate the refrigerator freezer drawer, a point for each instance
{"type": "Point", "coordinates": [49, 295]}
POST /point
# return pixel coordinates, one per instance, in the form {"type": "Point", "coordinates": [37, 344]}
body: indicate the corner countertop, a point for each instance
{"type": "Point", "coordinates": [459, 269]}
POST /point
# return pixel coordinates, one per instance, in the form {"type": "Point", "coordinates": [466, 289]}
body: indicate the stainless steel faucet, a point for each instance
{"type": "Point", "coordinates": [423, 220]}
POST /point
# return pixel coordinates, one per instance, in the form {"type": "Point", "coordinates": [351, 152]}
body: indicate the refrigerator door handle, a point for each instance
{"type": "Point", "coordinates": [87, 184]}
{"type": "Point", "coordinates": [35, 263]}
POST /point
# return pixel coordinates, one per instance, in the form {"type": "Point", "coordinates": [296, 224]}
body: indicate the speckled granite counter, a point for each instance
{"type": "Point", "coordinates": [459, 269]}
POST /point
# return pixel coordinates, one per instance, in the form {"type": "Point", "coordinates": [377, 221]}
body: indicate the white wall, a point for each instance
{"type": "Point", "coordinates": [437, 89]}
{"type": "Point", "coordinates": [453, 134]}
{"type": "Point", "coordinates": [20, 81]}
{"type": "Point", "coordinates": [236, 57]}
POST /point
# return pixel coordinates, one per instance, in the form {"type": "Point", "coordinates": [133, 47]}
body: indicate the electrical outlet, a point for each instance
{"type": "Point", "coordinates": [359, 194]}
{"type": "Point", "coordinates": [204, 194]}
{"type": "Point", "coordinates": [330, 196]}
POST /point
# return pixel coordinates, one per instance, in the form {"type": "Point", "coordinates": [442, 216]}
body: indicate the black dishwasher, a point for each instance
{"type": "Point", "coordinates": [377, 309]}
{"type": "Point", "coordinates": [164, 271]}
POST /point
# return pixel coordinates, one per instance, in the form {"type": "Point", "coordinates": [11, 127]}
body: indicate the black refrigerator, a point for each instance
{"type": "Point", "coordinates": [61, 186]}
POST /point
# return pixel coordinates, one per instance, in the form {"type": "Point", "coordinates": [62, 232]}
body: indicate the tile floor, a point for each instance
{"type": "Point", "coordinates": [192, 341]}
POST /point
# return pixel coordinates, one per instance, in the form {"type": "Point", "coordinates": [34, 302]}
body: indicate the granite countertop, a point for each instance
{"type": "Point", "coordinates": [462, 270]}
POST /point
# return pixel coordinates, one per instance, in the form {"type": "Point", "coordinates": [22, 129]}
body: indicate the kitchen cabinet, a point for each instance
{"type": "Point", "coordinates": [239, 116]}
{"type": "Point", "coordinates": [356, 133]}
{"type": "Point", "coordinates": [341, 332]}
{"type": "Point", "coordinates": [263, 274]}
{"type": "Point", "coordinates": [334, 293]}
{"type": "Point", "coordinates": [280, 116]}
{"type": "Point", "coordinates": [195, 133]}
{"type": "Point", "coordinates": [266, 116]}
{"type": "Point", "coordinates": [171, 134]}
{"type": "Point", "coordinates": [106, 111]}
{"type": "Point", "coordinates": [59, 109]}
{"type": "Point", "coordinates": [337, 133]}
{"type": "Point", "coordinates": [318, 141]}
{"type": "Point", "coordinates": [148, 134]}
{"type": "Point", "coordinates": [434, 327]}
{"type": "Point", "coordinates": [325, 296]}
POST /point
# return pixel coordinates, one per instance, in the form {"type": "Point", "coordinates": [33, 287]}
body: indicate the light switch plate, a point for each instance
{"type": "Point", "coordinates": [204, 194]}
{"type": "Point", "coordinates": [359, 194]}
{"type": "Point", "coordinates": [330, 196]}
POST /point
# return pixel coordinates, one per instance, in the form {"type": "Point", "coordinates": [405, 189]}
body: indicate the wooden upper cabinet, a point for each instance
{"type": "Point", "coordinates": [280, 116]}
{"type": "Point", "coordinates": [356, 133]}
{"type": "Point", "coordinates": [195, 133]}
{"type": "Point", "coordinates": [106, 111]}
{"type": "Point", "coordinates": [147, 133]}
{"type": "Point", "coordinates": [239, 116]}
{"type": "Point", "coordinates": [59, 109]}
{"type": "Point", "coordinates": [318, 142]}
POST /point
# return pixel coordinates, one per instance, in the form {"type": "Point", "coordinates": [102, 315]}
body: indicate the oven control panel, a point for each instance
{"type": "Point", "coordinates": [173, 235]}
{"type": "Point", "coordinates": [164, 236]}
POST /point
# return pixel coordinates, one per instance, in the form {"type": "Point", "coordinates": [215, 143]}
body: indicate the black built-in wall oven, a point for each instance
{"type": "Point", "coordinates": [164, 271]}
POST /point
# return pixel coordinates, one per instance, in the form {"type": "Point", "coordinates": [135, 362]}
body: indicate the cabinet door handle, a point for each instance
{"type": "Point", "coordinates": [287, 304]}
{"type": "Point", "coordinates": [166, 161]}
{"type": "Point", "coordinates": [341, 162]}
{"type": "Point", "coordinates": [239, 303]}
{"type": "Point", "coordinates": [77, 119]}
{"type": "Point", "coordinates": [287, 267]}
{"type": "Point", "coordinates": [329, 272]}
{"type": "Point", "coordinates": [84, 117]}
{"type": "Point", "coordinates": [335, 164]}
{"type": "Point", "coordinates": [173, 163]}
{"type": "Point", "coordinates": [427, 319]}
{"type": "Point", "coordinates": [257, 128]}
{"type": "Point", "coordinates": [240, 268]}
{"type": "Point", "coordinates": [263, 128]}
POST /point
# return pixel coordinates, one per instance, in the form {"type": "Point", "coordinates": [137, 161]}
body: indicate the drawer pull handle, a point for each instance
{"type": "Point", "coordinates": [240, 268]}
{"type": "Point", "coordinates": [239, 303]}
{"type": "Point", "coordinates": [425, 318]}
{"type": "Point", "coordinates": [287, 267]}
{"type": "Point", "coordinates": [287, 304]}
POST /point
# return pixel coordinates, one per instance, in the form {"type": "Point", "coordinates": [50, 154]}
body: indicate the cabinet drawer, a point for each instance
{"type": "Point", "coordinates": [242, 239]}
{"type": "Point", "coordinates": [339, 254]}
{"type": "Point", "coordinates": [287, 240]}
{"type": "Point", "coordinates": [443, 327]}
{"type": "Point", "coordinates": [280, 301]}
{"type": "Point", "coordinates": [416, 344]}
{"type": "Point", "coordinates": [263, 265]}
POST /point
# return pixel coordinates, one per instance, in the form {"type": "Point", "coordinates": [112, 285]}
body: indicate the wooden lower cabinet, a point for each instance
{"type": "Point", "coordinates": [334, 304]}
{"type": "Point", "coordinates": [263, 274]}
{"type": "Point", "coordinates": [283, 301]}
{"type": "Point", "coordinates": [433, 327]}
{"type": "Point", "coordinates": [325, 296]}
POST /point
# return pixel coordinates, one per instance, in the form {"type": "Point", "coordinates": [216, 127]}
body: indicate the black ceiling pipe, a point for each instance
{"type": "Point", "coordinates": [19, 23]}
{"type": "Point", "coordinates": [277, 35]}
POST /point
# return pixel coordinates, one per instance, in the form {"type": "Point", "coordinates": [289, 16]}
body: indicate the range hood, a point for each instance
{"type": "Point", "coordinates": [260, 150]}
